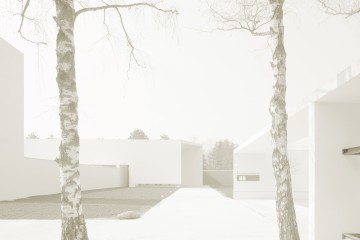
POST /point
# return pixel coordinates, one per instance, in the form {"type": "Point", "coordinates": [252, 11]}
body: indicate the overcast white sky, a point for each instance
{"type": "Point", "coordinates": [197, 85]}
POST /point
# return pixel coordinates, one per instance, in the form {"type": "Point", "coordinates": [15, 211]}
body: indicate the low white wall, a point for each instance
{"type": "Point", "coordinates": [191, 166]}
{"type": "Point", "coordinates": [30, 177]}
{"type": "Point", "coordinates": [261, 164]}
{"type": "Point", "coordinates": [254, 163]}
{"type": "Point", "coordinates": [219, 178]}
{"type": "Point", "coordinates": [335, 178]}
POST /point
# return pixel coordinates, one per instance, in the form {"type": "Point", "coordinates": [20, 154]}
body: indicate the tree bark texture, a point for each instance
{"type": "Point", "coordinates": [73, 222]}
{"type": "Point", "coordinates": [284, 200]}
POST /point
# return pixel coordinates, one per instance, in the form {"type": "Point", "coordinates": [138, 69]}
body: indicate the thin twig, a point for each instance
{"type": "Point", "coordinates": [23, 17]}
{"type": "Point", "coordinates": [128, 39]}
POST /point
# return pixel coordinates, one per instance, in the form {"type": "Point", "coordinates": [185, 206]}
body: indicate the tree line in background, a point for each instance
{"type": "Point", "coordinates": [136, 134]}
{"type": "Point", "coordinates": [140, 135]}
{"type": "Point", "coordinates": [220, 156]}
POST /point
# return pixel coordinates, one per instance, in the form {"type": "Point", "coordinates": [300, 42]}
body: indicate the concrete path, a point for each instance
{"type": "Point", "coordinates": [188, 214]}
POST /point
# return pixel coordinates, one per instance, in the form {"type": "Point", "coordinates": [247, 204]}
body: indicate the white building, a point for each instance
{"type": "Point", "coordinates": [321, 173]}
{"type": "Point", "coordinates": [253, 172]}
{"type": "Point", "coordinates": [176, 162]}
{"type": "Point", "coordinates": [21, 176]}
{"type": "Point", "coordinates": [149, 162]}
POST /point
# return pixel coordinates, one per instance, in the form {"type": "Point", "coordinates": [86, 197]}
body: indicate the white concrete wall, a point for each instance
{"type": "Point", "coordinates": [150, 161]}
{"type": "Point", "coordinates": [101, 151]}
{"type": "Point", "coordinates": [155, 162]}
{"type": "Point", "coordinates": [92, 151]}
{"type": "Point", "coordinates": [254, 163]}
{"type": "Point", "coordinates": [335, 178]}
{"type": "Point", "coordinates": [11, 104]}
{"type": "Point", "coordinates": [299, 167]}
{"type": "Point", "coordinates": [11, 111]}
{"type": "Point", "coordinates": [191, 166]}
{"type": "Point", "coordinates": [31, 177]}
{"type": "Point", "coordinates": [265, 188]}
{"type": "Point", "coordinates": [23, 177]}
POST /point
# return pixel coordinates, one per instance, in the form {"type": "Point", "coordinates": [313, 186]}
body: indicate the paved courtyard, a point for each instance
{"type": "Point", "coordinates": [188, 214]}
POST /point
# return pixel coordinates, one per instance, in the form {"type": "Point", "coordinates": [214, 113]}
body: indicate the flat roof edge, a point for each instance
{"type": "Point", "coordinates": [341, 78]}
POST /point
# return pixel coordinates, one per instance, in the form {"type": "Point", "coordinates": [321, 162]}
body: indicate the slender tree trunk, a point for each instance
{"type": "Point", "coordinates": [284, 200]}
{"type": "Point", "coordinates": [73, 222]}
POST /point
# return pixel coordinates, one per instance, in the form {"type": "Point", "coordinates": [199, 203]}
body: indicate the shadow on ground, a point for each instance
{"type": "Point", "coordinates": [104, 203]}
{"type": "Point", "coordinates": [226, 191]}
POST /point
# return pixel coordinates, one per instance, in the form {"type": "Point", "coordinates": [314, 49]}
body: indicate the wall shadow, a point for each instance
{"type": "Point", "coordinates": [103, 203]}
{"type": "Point", "coordinates": [226, 191]}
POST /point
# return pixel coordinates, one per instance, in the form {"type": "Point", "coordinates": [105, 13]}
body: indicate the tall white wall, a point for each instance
{"type": "Point", "coordinates": [191, 166]}
{"type": "Point", "coordinates": [24, 177]}
{"type": "Point", "coordinates": [335, 178]}
{"type": "Point", "coordinates": [155, 162]}
{"type": "Point", "coordinates": [104, 151]}
{"type": "Point", "coordinates": [150, 161]}
{"type": "Point", "coordinates": [11, 104]}
{"type": "Point", "coordinates": [11, 113]}
{"type": "Point", "coordinates": [92, 151]}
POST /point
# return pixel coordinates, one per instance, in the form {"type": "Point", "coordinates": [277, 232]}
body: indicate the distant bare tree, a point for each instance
{"type": "Point", "coordinates": [51, 136]}
{"type": "Point", "coordinates": [138, 134]}
{"type": "Point", "coordinates": [164, 137]}
{"type": "Point", "coordinates": [347, 8]}
{"type": "Point", "coordinates": [73, 222]}
{"type": "Point", "coordinates": [32, 136]}
{"type": "Point", "coordinates": [254, 16]}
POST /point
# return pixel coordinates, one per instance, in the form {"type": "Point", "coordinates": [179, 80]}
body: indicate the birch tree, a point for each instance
{"type": "Point", "coordinates": [265, 18]}
{"type": "Point", "coordinates": [73, 221]}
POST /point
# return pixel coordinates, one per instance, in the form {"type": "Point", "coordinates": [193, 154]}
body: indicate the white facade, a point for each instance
{"type": "Point", "coordinates": [254, 158]}
{"type": "Point", "coordinates": [335, 178]}
{"type": "Point", "coordinates": [22, 177]}
{"type": "Point", "coordinates": [104, 163]}
{"type": "Point", "coordinates": [150, 162]}
{"type": "Point", "coordinates": [320, 172]}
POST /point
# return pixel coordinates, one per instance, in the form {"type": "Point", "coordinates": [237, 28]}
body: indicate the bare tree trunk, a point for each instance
{"type": "Point", "coordinates": [284, 200]}
{"type": "Point", "coordinates": [73, 222]}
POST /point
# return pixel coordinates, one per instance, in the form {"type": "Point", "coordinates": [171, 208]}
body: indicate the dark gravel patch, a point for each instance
{"type": "Point", "coordinates": [104, 203]}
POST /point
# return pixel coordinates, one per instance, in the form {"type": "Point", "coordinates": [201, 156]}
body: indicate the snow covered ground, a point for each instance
{"type": "Point", "coordinates": [190, 213]}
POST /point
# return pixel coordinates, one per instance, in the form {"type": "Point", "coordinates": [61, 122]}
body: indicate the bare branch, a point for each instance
{"type": "Point", "coordinates": [128, 6]}
{"type": "Point", "coordinates": [128, 39]}
{"type": "Point", "coordinates": [251, 17]}
{"type": "Point", "coordinates": [80, 3]}
{"type": "Point", "coordinates": [261, 34]}
{"type": "Point", "coordinates": [117, 8]}
{"type": "Point", "coordinates": [340, 10]}
{"type": "Point", "coordinates": [132, 51]}
{"type": "Point", "coordinates": [23, 17]}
